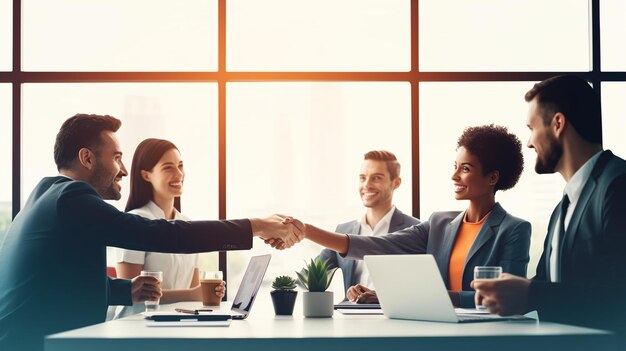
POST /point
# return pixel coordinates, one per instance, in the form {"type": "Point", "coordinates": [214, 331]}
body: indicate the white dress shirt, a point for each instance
{"type": "Point", "coordinates": [573, 189]}
{"type": "Point", "coordinates": [382, 227]}
{"type": "Point", "coordinates": [177, 268]}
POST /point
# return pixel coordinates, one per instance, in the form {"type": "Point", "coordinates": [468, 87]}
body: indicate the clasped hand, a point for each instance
{"type": "Point", "coordinates": [298, 226]}
{"type": "Point", "coordinates": [278, 230]}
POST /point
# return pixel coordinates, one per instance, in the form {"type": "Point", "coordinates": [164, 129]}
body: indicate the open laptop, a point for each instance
{"type": "Point", "coordinates": [242, 304]}
{"type": "Point", "coordinates": [411, 287]}
{"type": "Point", "coordinates": [250, 284]}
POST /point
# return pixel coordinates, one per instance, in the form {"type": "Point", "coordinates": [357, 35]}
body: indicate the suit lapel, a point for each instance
{"type": "Point", "coordinates": [443, 259]}
{"type": "Point", "coordinates": [568, 241]}
{"type": "Point", "coordinates": [397, 221]}
{"type": "Point", "coordinates": [572, 229]}
{"type": "Point", "coordinates": [486, 232]}
{"type": "Point", "coordinates": [547, 247]}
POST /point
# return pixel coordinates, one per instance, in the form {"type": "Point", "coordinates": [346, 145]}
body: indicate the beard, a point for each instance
{"type": "Point", "coordinates": [105, 184]}
{"type": "Point", "coordinates": [547, 162]}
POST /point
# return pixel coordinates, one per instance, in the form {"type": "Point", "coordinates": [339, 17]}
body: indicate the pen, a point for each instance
{"type": "Point", "coordinates": [182, 310]}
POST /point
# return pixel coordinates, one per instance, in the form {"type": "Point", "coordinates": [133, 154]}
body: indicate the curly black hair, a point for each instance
{"type": "Point", "coordinates": [497, 150]}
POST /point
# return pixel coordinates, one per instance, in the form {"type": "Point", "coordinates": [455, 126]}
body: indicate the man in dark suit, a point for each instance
{"type": "Point", "coordinates": [53, 259]}
{"type": "Point", "coordinates": [581, 277]}
{"type": "Point", "coordinates": [378, 179]}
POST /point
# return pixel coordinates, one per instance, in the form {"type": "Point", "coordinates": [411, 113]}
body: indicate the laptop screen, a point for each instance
{"type": "Point", "coordinates": [250, 284]}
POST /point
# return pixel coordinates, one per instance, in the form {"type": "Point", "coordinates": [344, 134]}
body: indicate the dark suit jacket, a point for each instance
{"type": "Point", "coordinates": [503, 240]}
{"type": "Point", "coordinates": [593, 259]}
{"type": "Point", "coordinates": [53, 259]}
{"type": "Point", "coordinates": [398, 221]}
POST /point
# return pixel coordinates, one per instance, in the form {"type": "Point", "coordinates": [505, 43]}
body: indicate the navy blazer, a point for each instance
{"type": "Point", "coordinates": [503, 240]}
{"type": "Point", "coordinates": [398, 221]}
{"type": "Point", "coordinates": [593, 262]}
{"type": "Point", "coordinates": [53, 258]}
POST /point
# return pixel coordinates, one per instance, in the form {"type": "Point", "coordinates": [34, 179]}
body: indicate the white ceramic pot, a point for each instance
{"type": "Point", "coordinates": [318, 304]}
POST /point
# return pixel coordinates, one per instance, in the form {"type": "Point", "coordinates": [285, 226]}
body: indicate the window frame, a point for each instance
{"type": "Point", "coordinates": [17, 77]}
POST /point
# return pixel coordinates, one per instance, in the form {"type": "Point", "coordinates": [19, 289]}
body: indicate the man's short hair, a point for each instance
{"type": "Point", "coordinates": [81, 131]}
{"type": "Point", "coordinates": [574, 98]}
{"type": "Point", "coordinates": [393, 166]}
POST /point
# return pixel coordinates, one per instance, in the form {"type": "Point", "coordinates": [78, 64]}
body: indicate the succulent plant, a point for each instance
{"type": "Point", "coordinates": [316, 276]}
{"type": "Point", "coordinates": [284, 283]}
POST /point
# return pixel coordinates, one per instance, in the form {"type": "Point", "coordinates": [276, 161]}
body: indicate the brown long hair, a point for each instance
{"type": "Point", "coordinates": [146, 156]}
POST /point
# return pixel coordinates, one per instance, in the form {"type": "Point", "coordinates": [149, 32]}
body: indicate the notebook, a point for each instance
{"type": "Point", "coordinates": [411, 287]}
{"type": "Point", "coordinates": [347, 307]}
{"type": "Point", "coordinates": [242, 303]}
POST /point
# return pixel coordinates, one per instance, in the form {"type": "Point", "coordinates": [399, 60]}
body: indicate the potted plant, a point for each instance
{"type": "Point", "coordinates": [316, 278]}
{"type": "Point", "coordinates": [284, 295]}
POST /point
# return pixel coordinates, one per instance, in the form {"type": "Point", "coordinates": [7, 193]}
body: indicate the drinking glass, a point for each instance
{"type": "Point", "coordinates": [486, 273]}
{"type": "Point", "coordinates": [152, 305]}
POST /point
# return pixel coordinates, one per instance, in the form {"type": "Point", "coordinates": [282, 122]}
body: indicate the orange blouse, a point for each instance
{"type": "Point", "coordinates": [464, 239]}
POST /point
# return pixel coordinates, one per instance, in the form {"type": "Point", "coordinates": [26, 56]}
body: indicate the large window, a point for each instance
{"type": "Point", "coordinates": [297, 148]}
{"type": "Point", "coordinates": [184, 113]}
{"type": "Point", "coordinates": [274, 102]}
{"type": "Point", "coordinates": [138, 35]}
{"type": "Point", "coordinates": [321, 35]}
{"type": "Point", "coordinates": [614, 111]}
{"type": "Point", "coordinates": [495, 35]}
{"type": "Point", "coordinates": [5, 158]}
{"type": "Point", "coordinates": [6, 28]}
{"type": "Point", "coordinates": [613, 32]}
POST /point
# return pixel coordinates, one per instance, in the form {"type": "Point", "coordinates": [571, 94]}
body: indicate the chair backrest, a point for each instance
{"type": "Point", "coordinates": [111, 272]}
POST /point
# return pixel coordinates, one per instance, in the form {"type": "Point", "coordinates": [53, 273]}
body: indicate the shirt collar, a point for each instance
{"type": "Point", "coordinates": [574, 187]}
{"type": "Point", "coordinates": [386, 219]}
{"type": "Point", "coordinates": [158, 212]}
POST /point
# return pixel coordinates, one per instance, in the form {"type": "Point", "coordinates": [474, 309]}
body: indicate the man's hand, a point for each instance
{"type": "Point", "coordinates": [505, 296]}
{"type": "Point", "coordinates": [144, 288]}
{"type": "Point", "coordinates": [279, 231]}
{"type": "Point", "coordinates": [360, 294]}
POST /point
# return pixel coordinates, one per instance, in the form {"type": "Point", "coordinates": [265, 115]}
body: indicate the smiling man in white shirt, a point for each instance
{"type": "Point", "coordinates": [378, 179]}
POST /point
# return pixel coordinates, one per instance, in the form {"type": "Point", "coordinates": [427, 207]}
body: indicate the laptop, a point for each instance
{"type": "Point", "coordinates": [242, 304]}
{"type": "Point", "coordinates": [411, 287]}
{"type": "Point", "coordinates": [250, 284]}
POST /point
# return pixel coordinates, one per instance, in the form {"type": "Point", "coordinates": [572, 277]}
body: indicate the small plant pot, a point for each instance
{"type": "Point", "coordinates": [283, 301]}
{"type": "Point", "coordinates": [318, 304]}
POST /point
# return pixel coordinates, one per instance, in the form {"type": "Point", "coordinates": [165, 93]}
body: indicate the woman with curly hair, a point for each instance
{"type": "Point", "coordinates": [489, 158]}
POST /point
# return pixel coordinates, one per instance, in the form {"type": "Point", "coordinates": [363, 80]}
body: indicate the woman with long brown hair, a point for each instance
{"type": "Point", "coordinates": [156, 184]}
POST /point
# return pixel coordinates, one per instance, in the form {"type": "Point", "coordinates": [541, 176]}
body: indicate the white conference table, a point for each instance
{"type": "Point", "coordinates": [265, 331]}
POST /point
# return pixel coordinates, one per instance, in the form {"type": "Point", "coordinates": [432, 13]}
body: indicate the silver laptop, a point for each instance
{"type": "Point", "coordinates": [411, 287]}
{"type": "Point", "coordinates": [250, 284]}
{"type": "Point", "coordinates": [242, 304]}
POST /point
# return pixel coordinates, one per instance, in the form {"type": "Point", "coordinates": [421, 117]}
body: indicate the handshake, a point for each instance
{"type": "Point", "coordinates": [279, 231]}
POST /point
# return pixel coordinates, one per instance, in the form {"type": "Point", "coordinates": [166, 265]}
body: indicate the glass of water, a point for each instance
{"type": "Point", "coordinates": [152, 305]}
{"type": "Point", "coordinates": [486, 273]}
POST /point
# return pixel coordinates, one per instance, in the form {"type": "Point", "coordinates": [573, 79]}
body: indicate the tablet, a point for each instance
{"type": "Point", "coordinates": [178, 317]}
{"type": "Point", "coordinates": [357, 306]}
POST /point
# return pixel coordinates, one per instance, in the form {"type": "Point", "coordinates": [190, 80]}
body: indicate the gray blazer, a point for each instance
{"type": "Point", "coordinates": [503, 240]}
{"type": "Point", "coordinates": [398, 221]}
{"type": "Point", "coordinates": [592, 264]}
